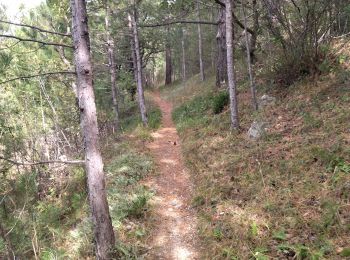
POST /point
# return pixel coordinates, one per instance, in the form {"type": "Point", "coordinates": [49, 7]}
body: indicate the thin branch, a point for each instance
{"type": "Point", "coordinates": [220, 3]}
{"type": "Point", "coordinates": [235, 19]}
{"type": "Point", "coordinates": [35, 28]}
{"type": "Point", "coordinates": [176, 22]}
{"type": "Point", "coordinates": [41, 162]}
{"type": "Point", "coordinates": [240, 24]}
{"type": "Point", "coordinates": [37, 41]}
{"type": "Point", "coordinates": [38, 75]}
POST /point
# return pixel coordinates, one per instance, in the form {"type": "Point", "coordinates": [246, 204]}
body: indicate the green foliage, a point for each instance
{"type": "Point", "coordinates": [345, 252]}
{"type": "Point", "coordinates": [192, 113]}
{"type": "Point", "coordinates": [220, 101]}
{"type": "Point", "coordinates": [333, 162]}
{"type": "Point", "coordinates": [253, 229]}
{"type": "Point", "coordinates": [154, 118]}
{"type": "Point", "coordinates": [279, 235]}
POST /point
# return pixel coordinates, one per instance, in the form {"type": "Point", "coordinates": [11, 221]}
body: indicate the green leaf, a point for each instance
{"type": "Point", "coordinates": [345, 252]}
{"type": "Point", "coordinates": [253, 229]}
{"type": "Point", "coordinates": [279, 235]}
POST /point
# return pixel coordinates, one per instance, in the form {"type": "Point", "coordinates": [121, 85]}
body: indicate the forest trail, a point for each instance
{"type": "Point", "coordinates": [175, 234]}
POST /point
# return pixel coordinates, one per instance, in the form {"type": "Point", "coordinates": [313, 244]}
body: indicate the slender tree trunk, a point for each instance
{"type": "Point", "coordinates": [168, 65]}
{"type": "Point", "coordinates": [133, 57]}
{"type": "Point", "coordinates": [183, 56]}
{"type": "Point", "coordinates": [254, 36]}
{"type": "Point", "coordinates": [141, 98]}
{"type": "Point", "coordinates": [230, 66]}
{"type": "Point", "coordinates": [212, 43]}
{"type": "Point", "coordinates": [221, 66]}
{"type": "Point", "coordinates": [249, 63]}
{"type": "Point", "coordinates": [200, 47]}
{"type": "Point", "coordinates": [103, 229]}
{"type": "Point", "coordinates": [112, 70]}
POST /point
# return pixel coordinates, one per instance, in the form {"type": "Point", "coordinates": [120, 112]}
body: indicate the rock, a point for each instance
{"type": "Point", "coordinates": [267, 100]}
{"type": "Point", "coordinates": [257, 130]}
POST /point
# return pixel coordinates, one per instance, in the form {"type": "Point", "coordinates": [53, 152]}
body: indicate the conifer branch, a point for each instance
{"type": "Point", "coordinates": [38, 75]}
{"type": "Point", "coordinates": [37, 41]}
{"type": "Point", "coordinates": [36, 28]}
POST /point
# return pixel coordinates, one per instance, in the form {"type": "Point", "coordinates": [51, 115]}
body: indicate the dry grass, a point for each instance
{"type": "Point", "coordinates": [285, 196]}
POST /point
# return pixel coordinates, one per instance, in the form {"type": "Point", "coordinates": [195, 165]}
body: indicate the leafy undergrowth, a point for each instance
{"type": "Point", "coordinates": [285, 196]}
{"type": "Point", "coordinates": [52, 222]}
{"type": "Point", "coordinates": [126, 164]}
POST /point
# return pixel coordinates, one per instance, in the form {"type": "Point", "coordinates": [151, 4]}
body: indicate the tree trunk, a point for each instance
{"type": "Point", "coordinates": [141, 98]}
{"type": "Point", "coordinates": [200, 47]}
{"type": "Point", "coordinates": [102, 224]}
{"type": "Point", "coordinates": [168, 65]}
{"type": "Point", "coordinates": [249, 63]}
{"type": "Point", "coordinates": [254, 36]}
{"type": "Point", "coordinates": [230, 66]}
{"type": "Point", "coordinates": [112, 70]}
{"type": "Point", "coordinates": [183, 56]}
{"type": "Point", "coordinates": [133, 58]}
{"type": "Point", "coordinates": [221, 66]}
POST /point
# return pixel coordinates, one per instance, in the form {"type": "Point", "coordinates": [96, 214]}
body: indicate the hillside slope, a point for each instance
{"type": "Point", "coordinates": [284, 196]}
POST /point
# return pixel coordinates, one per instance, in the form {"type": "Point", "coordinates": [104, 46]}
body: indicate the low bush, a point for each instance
{"type": "Point", "coordinates": [220, 101]}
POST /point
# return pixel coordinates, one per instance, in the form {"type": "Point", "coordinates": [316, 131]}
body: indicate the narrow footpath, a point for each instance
{"type": "Point", "coordinates": [175, 236]}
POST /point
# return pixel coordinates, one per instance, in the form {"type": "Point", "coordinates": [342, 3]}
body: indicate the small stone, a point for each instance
{"type": "Point", "coordinates": [267, 100]}
{"type": "Point", "coordinates": [128, 227]}
{"type": "Point", "coordinates": [257, 130]}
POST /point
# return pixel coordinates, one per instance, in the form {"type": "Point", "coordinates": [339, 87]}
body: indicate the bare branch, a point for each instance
{"type": "Point", "coordinates": [220, 3]}
{"type": "Point", "coordinates": [37, 41]}
{"type": "Point", "coordinates": [176, 22]}
{"type": "Point", "coordinates": [35, 28]}
{"type": "Point", "coordinates": [41, 162]}
{"type": "Point", "coordinates": [235, 19]}
{"type": "Point", "coordinates": [38, 75]}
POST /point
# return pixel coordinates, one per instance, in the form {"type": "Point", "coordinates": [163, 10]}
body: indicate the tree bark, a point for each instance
{"type": "Point", "coordinates": [102, 224]}
{"type": "Point", "coordinates": [168, 65]}
{"type": "Point", "coordinates": [254, 36]}
{"type": "Point", "coordinates": [141, 98]}
{"type": "Point", "coordinates": [221, 64]}
{"type": "Point", "coordinates": [230, 66]}
{"type": "Point", "coordinates": [133, 58]}
{"type": "Point", "coordinates": [183, 56]}
{"type": "Point", "coordinates": [249, 62]}
{"type": "Point", "coordinates": [112, 70]}
{"type": "Point", "coordinates": [200, 47]}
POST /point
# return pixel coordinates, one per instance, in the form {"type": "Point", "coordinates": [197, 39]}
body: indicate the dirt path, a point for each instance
{"type": "Point", "coordinates": [175, 236]}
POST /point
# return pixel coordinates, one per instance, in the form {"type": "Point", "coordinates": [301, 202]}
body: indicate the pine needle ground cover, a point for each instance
{"type": "Point", "coordinates": [284, 196]}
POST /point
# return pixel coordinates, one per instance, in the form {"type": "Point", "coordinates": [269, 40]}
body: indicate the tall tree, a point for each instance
{"type": "Point", "coordinates": [200, 45]}
{"type": "Point", "coordinates": [249, 62]}
{"type": "Point", "coordinates": [168, 60]}
{"type": "Point", "coordinates": [102, 224]}
{"type": "Point", "coordinates": [221, 64]}
{"type": "Point", "coordinates": [183, 50]}
{"type": "Point", "coordinates": [230, 66]}
{"type": "Point", "coordinates": [112, 67]}
{"type": "Point", "coordinates": [140, 94]}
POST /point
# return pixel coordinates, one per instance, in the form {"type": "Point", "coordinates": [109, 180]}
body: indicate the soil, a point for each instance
{"type": "Point", "coordinates": [175, 233]}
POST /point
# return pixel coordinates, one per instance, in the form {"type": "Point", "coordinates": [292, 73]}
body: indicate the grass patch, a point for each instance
{"type": "Point", "coordinates": [283, 197]}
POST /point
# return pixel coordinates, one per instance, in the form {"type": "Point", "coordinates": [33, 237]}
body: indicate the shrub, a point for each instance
{"type": "Point", "coordinates": [220, 101]}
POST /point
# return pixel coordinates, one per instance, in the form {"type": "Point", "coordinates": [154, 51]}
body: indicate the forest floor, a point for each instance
{"type": "Point", "coordinates": [175, 233]}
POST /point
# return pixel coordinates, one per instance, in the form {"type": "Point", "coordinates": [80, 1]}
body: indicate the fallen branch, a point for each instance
{"type": "Point", "coordinates": [38, 75]}
{"type": "Point", "coordinates": [37, 41]}
{"type": "Point", "coordinates": [41, 162]}
{"type": "Point", "coordinates": [35, 28]}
